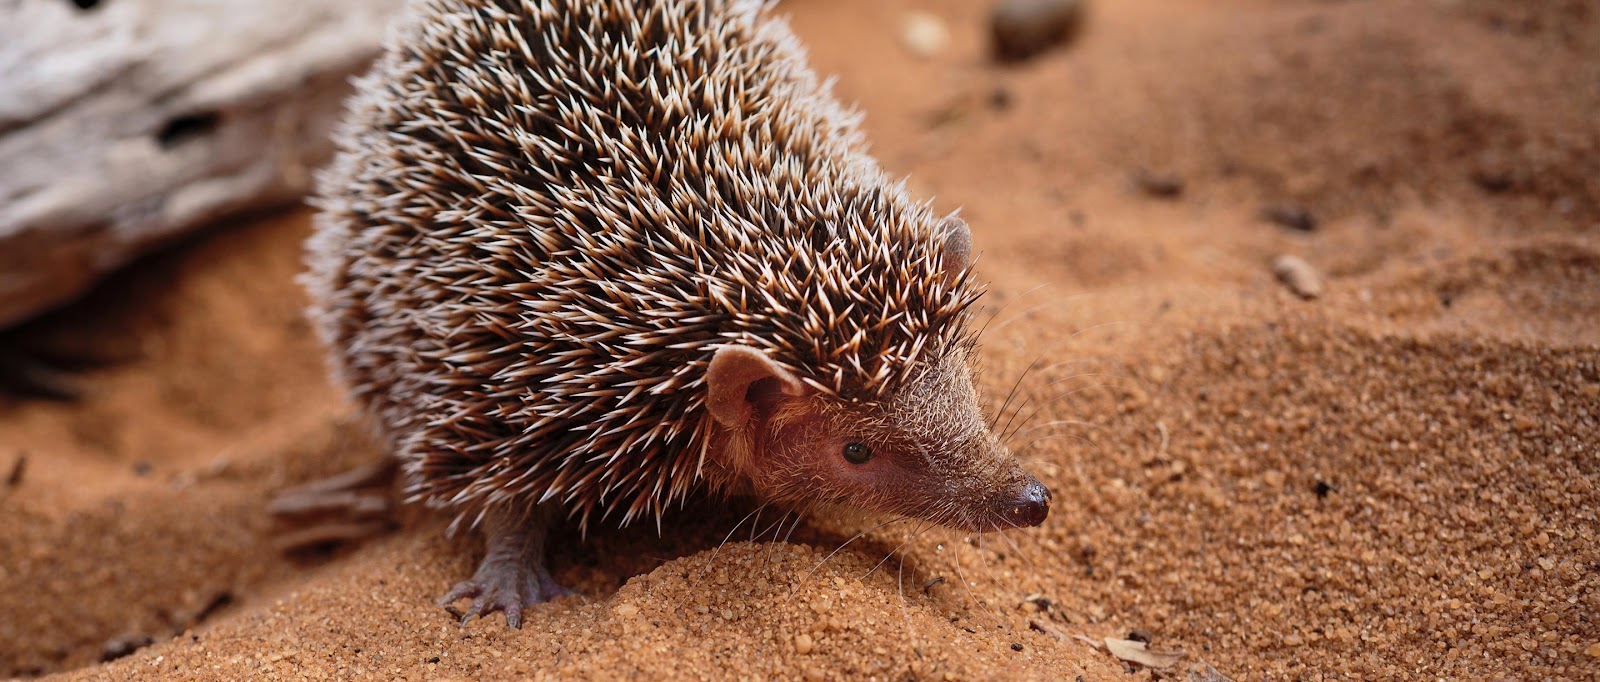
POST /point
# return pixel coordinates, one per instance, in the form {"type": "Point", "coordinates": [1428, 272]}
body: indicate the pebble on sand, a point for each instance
{"type": "Point", "coordinates": [1298, 276]}
{"type": "Point", "coordinates": [1292, 216]}
{"type": "Point", "coordinates": [924, 34]}
{"type": "Point", "coordinates": [1020, 29]}
{"type": "Point", "coordinates": [1159, 185]}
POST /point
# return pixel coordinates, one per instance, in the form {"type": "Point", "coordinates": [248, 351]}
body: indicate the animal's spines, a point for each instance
{"type": "Point", "coordinates": [547, 216]}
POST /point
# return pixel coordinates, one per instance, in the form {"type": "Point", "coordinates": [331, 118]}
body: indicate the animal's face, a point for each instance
{"type": "Point", "coordinates": [924, 453]}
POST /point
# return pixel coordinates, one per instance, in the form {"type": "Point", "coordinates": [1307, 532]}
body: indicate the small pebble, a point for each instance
{"type": "Point", "coordinates": [626, 610]}
{"type": "Point", "coordinates": [1492, 173]}
{"type": "Point", "coordinates": [1298, 276]}
{"type": "Point", "coordinates": [1000, 98]}
{"type": "Point", "coordinates": [803, 644]}
{"type": "Point", "coordinates": [1292, 216]}
{"type": "Point", "coordinates": [122, 646]}
{"type": "Point", "coordinates": [924, 35]}
{"type": "Point", "coordinates": [18, 468]}
{"type": "Point", "coordinates": [1492, 180]}
{"type": "Point", "coordinates": [1016, 646]}
{"type": "Point", "coordinates": [1322, 488]}
{"type": "Point", "coordinates": [1021, 29]}
{"type": "Point", "coordinates": [1158, 185]}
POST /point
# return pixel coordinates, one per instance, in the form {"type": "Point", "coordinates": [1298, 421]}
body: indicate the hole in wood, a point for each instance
{"type": "Point", "coordinates": [86, 4]}
{"type": "Point", "coordinates": [184, 128]}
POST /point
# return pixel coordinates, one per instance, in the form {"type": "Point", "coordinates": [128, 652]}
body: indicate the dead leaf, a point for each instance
{"type": "Point", "coordinates": [1138, 652]}
{"type": "Point", "coordinates": [1090, 641]}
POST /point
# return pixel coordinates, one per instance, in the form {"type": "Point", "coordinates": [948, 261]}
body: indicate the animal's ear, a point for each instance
{"type": "Point", "coordinates": [957, 245]}
{"type": "Point", "coordinates": [736, 380]}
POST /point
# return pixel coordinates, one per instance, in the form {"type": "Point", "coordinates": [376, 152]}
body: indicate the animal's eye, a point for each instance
{"type": "Point", "coordinates": [857, 453]}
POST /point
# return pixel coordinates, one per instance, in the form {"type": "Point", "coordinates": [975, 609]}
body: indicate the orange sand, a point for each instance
{"type": "Point", "coordinates": [1398, 480]}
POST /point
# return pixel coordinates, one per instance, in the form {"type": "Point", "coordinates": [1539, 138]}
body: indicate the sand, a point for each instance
{"type": "Point", "coordinates": [1395, 480]}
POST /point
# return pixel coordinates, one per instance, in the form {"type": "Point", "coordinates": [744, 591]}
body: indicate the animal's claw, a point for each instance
{"type": "Point", "coordinates": [505, 586]}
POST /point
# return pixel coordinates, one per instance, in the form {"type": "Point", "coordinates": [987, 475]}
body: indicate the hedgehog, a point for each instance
{"type": "Point", "coordinates": [580, 259]}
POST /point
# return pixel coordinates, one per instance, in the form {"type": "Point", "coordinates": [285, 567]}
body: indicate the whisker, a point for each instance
{"type": "Point", "coordinates": [1093, 327]}
{"type": "Point", "coordinates": [853, 538]}
{"type": "Point", "coordinates": [1054, 422]}
{"type": "Point", "coordinates": [798, 517]}
{"type": "Point", "coordinates": [905, 611]}
{"type": "Point", "coordinates": [731, 531]}
{"type": "Point", "coordinates": [1007, 304]}
{"type": "Point", "coordinates": [1098, 447]}
{"type": "Point", "coordinates": [955, 549]}
{"type": "Point", "coordinates": [757, 523]}
{"type": "Point", "coordinates": [1016, 549]}
{"type": "Point", "coordinates": [926, 527]}
{"type": "Point", "coordinates": [1007, 427]}
{"type": "Point", "coordinates": [1068, 339]}
{"type": "Point", "coordinates": [1013, 392]}
{"type": "Point", "coordinates": [1066, 362]}
{"type": "Point", "coordinates": [1047, 404]}
{"type": "Point", "coordinates": [890, 554]}
{"type": "Point", "coordinates": [782, 520]}
{"type": "Point", "coordinates": [1045, 304]}
{"type": "Point", "coordinates": [766, 554]}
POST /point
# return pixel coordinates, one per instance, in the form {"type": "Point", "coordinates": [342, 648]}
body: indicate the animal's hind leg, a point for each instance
{"type": "Point", "coordinates": [350, 506]}
{"type": "Point", "coordinates": [513, 574]}
{"type": "Point", "coordinates": [26, 374]}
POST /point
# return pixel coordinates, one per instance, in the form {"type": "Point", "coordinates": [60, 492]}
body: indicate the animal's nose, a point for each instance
{"type": "Point", "coordinates": [1031, 507]}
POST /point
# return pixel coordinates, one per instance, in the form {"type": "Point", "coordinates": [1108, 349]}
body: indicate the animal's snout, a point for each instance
{"type": "Point", "coordinates": [1031, 505]}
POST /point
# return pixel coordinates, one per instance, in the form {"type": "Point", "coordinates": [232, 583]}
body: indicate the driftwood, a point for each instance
{"type": "Point", "coordinates": [124, 124]}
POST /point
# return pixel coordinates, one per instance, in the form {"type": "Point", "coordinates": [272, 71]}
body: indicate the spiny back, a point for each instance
{"type": "Point", "coordinates": [546, 216]}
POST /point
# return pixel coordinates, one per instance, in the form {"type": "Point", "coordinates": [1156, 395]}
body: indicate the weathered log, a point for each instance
{"type": "Point", "coordinates": [124, 124]}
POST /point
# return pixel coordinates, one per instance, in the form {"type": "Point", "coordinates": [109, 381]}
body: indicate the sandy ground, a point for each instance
{"type": "Point", "coordinates": [1397, 480]}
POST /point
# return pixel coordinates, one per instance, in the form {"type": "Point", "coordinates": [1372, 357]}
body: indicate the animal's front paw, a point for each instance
{"type": "Point", "coordinates": [506, 586]}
